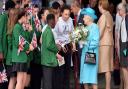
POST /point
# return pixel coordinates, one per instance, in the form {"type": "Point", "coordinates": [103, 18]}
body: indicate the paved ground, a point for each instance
{"type": "Point", "coordinates": [101, 82]}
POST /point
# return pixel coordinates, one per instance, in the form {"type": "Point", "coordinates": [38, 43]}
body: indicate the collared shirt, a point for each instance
{"type": "Point", "coordinates": [123, 31]}
{"type": "Point", "coordinates": [42, 23]}
{"type": "Point", "coordinates": [62, 30]}
{"type": "Point", "coordinates": [78, 15]}
{"type": "Point", "coordinates": [43, 29]}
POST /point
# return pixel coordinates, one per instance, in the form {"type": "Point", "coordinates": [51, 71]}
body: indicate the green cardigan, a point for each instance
{"type": "Point", "coordinates": [9, 50]}
{"type": "Point", "coordinates": [22, 57]}
{"type": "Point", "coordinates": [36, 52]}
{"type": "Point", "coordinates": [48, 49]}
{"type": "Point", "coordinates": [3, 29]}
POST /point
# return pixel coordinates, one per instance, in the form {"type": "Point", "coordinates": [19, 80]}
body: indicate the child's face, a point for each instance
{"type": "Point", "coordinates": [52, 23]}
{"type": "Point", "coordinates": [35, 11]}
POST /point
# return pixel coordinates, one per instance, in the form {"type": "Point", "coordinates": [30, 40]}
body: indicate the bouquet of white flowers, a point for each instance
{"type": "Point", "coordinates": [79, 35]}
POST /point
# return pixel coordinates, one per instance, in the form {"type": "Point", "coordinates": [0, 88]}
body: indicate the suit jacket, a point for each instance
{"type": "Point", "coordinates": [126, 22]}
{"type": "Point", "coordinates": [22, 57]}
{"type": "Point", "coordinates": [106, 29]}
{"type": "Point", "coordinates": [3, 29]}
{"type": "Point", "coordinates": [80, 18]}
{"type": "Point", "coordinates": [48, 49]}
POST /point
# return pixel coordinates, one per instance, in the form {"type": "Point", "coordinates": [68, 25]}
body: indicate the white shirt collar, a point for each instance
{"type": "Point", "coordinates": [79, 13]}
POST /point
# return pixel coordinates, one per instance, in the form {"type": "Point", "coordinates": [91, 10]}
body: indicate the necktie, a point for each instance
{"type": "Point", "coordinates": [75, 20]}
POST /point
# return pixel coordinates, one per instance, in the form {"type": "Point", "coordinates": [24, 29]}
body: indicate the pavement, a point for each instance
{"type": "Point", "coordinates": [101, 82]}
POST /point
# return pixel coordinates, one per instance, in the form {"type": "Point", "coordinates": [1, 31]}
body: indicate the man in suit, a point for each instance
{"type": "Point", "coordinates": [76, 10]}
{"type": "Point", "coordinates": [78, 20]}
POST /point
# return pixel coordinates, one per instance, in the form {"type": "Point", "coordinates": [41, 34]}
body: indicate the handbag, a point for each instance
{"type": "Point", "coordinates": [3, 74]}
{"type": "Point", "coordinates": [90, 57]}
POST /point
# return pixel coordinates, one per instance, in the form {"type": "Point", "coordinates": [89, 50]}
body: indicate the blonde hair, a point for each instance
{"type": "Point", "coordinates": [13, 16]}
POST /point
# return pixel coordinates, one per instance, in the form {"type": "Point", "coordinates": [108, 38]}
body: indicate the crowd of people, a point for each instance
{"type": "Point", "coordinates": [34, 39]}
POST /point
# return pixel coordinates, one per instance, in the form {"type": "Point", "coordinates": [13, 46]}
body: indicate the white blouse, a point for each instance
{"type": "Point", "coordinates": [123, 31]}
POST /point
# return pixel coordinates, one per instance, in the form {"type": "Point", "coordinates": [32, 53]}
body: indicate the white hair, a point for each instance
{"type": "Point", "coordinates": [121, 6]}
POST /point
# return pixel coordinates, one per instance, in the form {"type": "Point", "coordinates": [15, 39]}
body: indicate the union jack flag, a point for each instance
{"type": "Point", "coordinates": [29, 10]}
{"type": "Point", "coordinates": [3, 75]}
{"type": "Point", "coordinates": [22, 42]}
{"type": "Point", "coordinates": [34, 40]}
{"type": "Point", "coordinates": [37, 22]}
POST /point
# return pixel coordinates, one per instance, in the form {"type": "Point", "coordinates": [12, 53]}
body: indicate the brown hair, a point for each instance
{"type": "Point", "coordinates": [13, 16]}
{"type": "Point", "coordinates": [104, 4]}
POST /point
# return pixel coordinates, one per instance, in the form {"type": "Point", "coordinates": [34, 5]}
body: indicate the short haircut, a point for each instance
{"type": "Point", "coordinates": [55, 5]}
{"type": "Point", "coordinates": [50, 17]}
{"type": "Point", "coordinates": [18, 2]}
{"type": "Point", "coordinates": [26, 6]}
{"type": "Point", "coordinates": [122, 6]}
{"type": "Point", "coordinates": [41, 12]}
{"type": "Point", "coordinates": [9, 4]}
{"type": "Point", "coordinates": [65, 8]}
{"type": "Point", "coordinates": [35, 6]}
{"type": "Point", "coordinates": [104, 4]}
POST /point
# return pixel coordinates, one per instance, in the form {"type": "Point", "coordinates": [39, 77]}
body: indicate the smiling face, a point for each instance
{"type": "Point", "coordinates": [87, 19]}
{"type": "Point", "coordinates": [66, 14]}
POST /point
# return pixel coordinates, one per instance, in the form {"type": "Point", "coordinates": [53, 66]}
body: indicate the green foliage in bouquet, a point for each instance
{"type": "Point", "coordinates": [80, 33]}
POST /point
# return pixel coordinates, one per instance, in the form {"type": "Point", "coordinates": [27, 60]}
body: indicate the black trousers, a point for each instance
{"type": "Point", "coordinates": [58, 78]}
{"type": "Point", "coordinates": [47, 77]}
{"type": "Point", "coordinates": [62, 74]}
{"type": "Point", "coordinates": [36, 76]}
{"type": "Point", "coordinates": [4, 86]}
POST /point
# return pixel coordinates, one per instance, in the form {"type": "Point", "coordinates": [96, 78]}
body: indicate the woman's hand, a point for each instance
{"type": "Point", "coordinates": [1, 56]}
